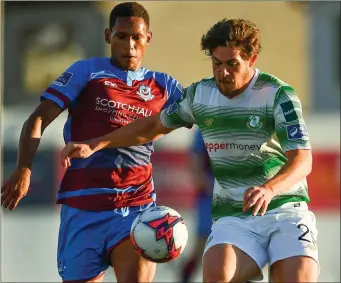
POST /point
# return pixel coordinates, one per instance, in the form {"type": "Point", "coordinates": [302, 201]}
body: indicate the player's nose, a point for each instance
{"type": "Point", "coordinates": [130, 44]}
{"type": "Point", "coordinates": [225, 72]}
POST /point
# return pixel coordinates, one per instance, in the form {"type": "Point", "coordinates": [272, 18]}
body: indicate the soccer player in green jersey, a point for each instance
{"type": "Point", "coordinates": [260, 154]}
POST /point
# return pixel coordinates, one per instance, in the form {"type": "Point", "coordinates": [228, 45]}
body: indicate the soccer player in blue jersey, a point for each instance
{"type": "Point", "coordinates": [101, 195]}
{"type": "Point", "coordinates": [199, 164]}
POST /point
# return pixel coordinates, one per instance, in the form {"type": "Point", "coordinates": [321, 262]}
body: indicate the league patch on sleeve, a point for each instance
{"type": "Point", "coordinates": [297, 132]}
{"type": "Point", "coordinates": [289, 111]}
{"type": "Point", "coordinates": [172, 108]}
{"type": "Point", "coordinates": [64, 79]}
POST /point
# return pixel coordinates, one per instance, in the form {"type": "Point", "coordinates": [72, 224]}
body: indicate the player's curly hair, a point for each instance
{"type": "Point", "coordinates": [128, 9]}
{"type": "Point", "coordinates": [236, 33]}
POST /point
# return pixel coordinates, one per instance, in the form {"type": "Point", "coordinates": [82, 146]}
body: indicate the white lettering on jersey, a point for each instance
{"type": "Point", "coordinates": [110, 84]}
{"type": "Point", "coordinates": [109, 106]}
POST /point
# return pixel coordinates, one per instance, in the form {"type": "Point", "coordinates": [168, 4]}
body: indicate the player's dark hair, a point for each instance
{"type": "Point", "coordinates": [236, 33]}
{"type": "Point", "coordinates": [128, 9]}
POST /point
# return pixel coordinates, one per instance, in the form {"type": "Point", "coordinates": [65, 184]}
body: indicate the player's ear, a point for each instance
{"type": "Point", "coordinates": [149, 37]}
{"type": "Point", "coordinates": [107, 35]}
{"type": "Point", "coordinates": [253, 59]}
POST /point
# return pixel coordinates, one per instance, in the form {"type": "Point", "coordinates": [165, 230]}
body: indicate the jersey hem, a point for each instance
{"type": "Point", "coordinates": [237, 212]}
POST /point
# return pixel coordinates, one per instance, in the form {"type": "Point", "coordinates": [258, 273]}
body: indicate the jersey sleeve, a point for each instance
{"type": "Point", "coordinates": [67, 87]}
{"type": "Point", "coordinates": [179, 113]}
{"type": "Point", "coordinates": [175, 91]}
{"type": "Point", "coordinates": [290, 126]}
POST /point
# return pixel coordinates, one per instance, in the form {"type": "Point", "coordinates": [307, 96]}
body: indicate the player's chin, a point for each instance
{"type": "Point", "coordinates": [130, 63]}
{"type": "Point", "coordinates": [225, 89]}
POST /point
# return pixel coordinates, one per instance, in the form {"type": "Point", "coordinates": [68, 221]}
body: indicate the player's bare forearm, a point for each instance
{"type": "Point", "coordinates": [27, 147]}
{"type": "Point", "coordinates": [298, 166]}
{"type": "Point", "coordinates": [32, 132]}
{"type": "Point", "coordinates": [138, 132]}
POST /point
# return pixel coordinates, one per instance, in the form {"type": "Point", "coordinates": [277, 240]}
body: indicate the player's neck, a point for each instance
{"type": "Point", "coordinates": [118, 66]}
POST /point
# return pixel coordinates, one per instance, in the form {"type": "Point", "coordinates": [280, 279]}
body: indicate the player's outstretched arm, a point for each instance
{"type": "Point", "coordinates": [138, 132]}
{"type": "Point", "coordinates": [32, 131]}
{"type": "Point", "coordinates": [15, 188]}
{"type": "Point", "coordinates": [178, 114]}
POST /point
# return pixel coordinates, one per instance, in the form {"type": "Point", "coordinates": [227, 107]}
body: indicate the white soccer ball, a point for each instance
{"type": "Point", "coordinates": [159, 234]}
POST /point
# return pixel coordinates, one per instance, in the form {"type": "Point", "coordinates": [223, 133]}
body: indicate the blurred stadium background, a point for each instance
{"type": "Point", "coordinates": [301, 45]}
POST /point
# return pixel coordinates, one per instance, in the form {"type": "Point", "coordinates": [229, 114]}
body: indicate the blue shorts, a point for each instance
{"type": "Point", "coordinates": [86, 239]}
{"type": "Point", "coordinates": [203, 214]}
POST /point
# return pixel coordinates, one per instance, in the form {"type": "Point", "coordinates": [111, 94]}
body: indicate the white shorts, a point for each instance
{"type": "Point", "coordinates": [284, 232]}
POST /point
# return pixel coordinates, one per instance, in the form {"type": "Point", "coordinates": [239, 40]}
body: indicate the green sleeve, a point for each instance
{"type": "Point", "coordinates": [290, 126]}
{"type": "Point", "coordinates": [179, 114]}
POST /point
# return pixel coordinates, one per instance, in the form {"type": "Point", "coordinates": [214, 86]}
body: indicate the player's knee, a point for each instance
{"type": "Point", "coordinates": [215, 275]}
{"type": "Point", "coordinates": [212, 275]}
{"type": "Point", "coordinates": [126, 277]}
{"type": "Point", "coordinates": [227, 263]}
{"type": "Point", "coordinates": [129, 266]}
{"type": "Point", "coordinates": [295, 269]}
{"type": "Point", "coordinates": [145, 271]}
{"type": "Point", "coordinates": [215, 268]}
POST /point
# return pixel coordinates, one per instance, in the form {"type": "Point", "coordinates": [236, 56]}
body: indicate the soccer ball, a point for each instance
{"type": "Point", "coordinates": [159, 234]}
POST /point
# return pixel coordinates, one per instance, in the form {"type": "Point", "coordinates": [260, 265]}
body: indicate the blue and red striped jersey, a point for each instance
{"type": "Point", "coordinates": [101, 98]}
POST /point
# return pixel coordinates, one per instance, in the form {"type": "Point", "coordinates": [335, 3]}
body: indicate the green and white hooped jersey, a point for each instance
{"type": "Point", "coordinates": [245, 136]}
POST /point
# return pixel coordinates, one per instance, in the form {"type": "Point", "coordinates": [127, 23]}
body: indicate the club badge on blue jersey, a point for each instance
{"type": "Point", "coordinates": [145, 93]}
{"type": "Point", "coordinates": [64, 79]}
{"type": "Point", "coordinates": [297, 132]}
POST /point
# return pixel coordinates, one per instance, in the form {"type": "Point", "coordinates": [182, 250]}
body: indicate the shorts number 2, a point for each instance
{"type": "Point", "coordinates": [305, 231]}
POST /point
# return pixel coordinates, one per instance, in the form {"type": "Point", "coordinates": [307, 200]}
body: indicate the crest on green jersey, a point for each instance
{"type": "Point", "coordinates": [208, 122]}
{"type": "Point", "coordinates": [254, 122]}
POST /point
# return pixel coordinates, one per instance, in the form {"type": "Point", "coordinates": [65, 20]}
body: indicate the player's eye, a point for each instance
{"type": "Point", "coordinates": [138, 37]}
{"type": "Point", "coordinates": [120, 35]}
{"type": "Point", "coordinates": [216, 63]}
{"type": "Point", "coordinates": [234, 64]}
